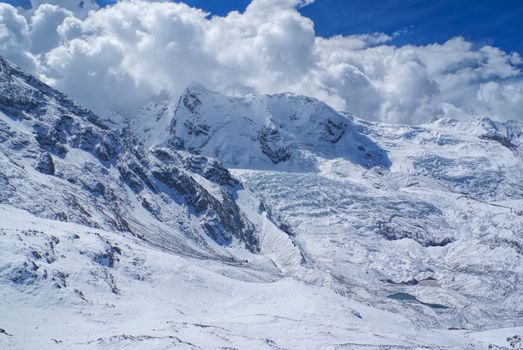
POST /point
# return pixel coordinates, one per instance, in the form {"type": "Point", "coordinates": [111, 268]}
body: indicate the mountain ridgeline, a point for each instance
{"type": "Point", "coordinates": [60, 161]}
{"type": "Point", "coordinates": [269, 209]}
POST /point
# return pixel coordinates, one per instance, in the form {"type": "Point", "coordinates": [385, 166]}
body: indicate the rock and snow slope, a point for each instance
{"type": "Point", "coordinates": [340, 234]}
{"type": "Point", "coordinates": [60, 162]}
{"type": "Point", "coordinates": [67, 286]}
{"type": "Point", "coordinates": [256, 132]}
{"type": "Point", "coordinates": [434, 212]}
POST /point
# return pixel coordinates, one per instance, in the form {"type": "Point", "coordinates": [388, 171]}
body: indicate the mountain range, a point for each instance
{"type": "Point", "coordinates": [254, 222]}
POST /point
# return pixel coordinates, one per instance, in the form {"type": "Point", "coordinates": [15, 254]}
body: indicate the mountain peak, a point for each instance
{"type": "Point", "coordinates": [196, 87]}
{"type": "Point", "coordinates": [272, 131]}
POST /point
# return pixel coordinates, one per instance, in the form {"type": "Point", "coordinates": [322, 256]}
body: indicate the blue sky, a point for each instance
{"type": "Point", "coordinates": [423, 21]}
{"type": "Point", "coordinates": [497, 23]}
{"type": "Point", "coordinates": [420, 21]}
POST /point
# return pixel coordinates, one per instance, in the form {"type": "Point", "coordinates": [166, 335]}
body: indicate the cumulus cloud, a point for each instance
{"type": "Point", "coordinates": [44, 25]}
{"type": "Point", "coordinates": [14, 37]}
{"type": "Point", "coordinates": [120, 57]}
{"type": "Point", "coordinates": [503, 100]}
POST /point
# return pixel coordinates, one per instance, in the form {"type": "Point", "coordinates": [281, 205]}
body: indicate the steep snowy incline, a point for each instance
{"type": "Point", "coordinates": [58, 161]}
{"type": "Point", "coordinates": [426, 221]}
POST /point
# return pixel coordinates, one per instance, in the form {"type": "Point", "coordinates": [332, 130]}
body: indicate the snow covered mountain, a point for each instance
{"type": "Point", "coordinates": [107, 179]}
{"type": "Point", "coordinates": [253, 222]}
{"type": "Point", "coordinates": [432, 213]}
{"type": "Point", "coordinates": [256, 132]}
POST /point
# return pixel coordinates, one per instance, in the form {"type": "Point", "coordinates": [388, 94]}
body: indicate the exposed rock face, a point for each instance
{"type": "Point", "coordinates": [274, 145]}
{"type": "Point", "coordinates": [503, 140]}
{"type": "Point", "coordinates": [45, 164]}
{"type": "Point", "coordinates": [220, 217]}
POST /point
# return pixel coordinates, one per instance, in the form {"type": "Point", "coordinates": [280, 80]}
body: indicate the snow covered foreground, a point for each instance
{"type": "Point", "coordinates": [313, 230]}
{"type": "Point", "coordinates": [109, 290]}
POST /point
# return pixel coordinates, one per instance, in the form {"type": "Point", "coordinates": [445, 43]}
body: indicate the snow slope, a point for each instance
{"type": "Point", "coordinates": [69, 286]}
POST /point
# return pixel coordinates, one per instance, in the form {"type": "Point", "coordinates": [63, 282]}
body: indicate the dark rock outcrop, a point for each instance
{"type": "Point", "coordinates": [45, 164]}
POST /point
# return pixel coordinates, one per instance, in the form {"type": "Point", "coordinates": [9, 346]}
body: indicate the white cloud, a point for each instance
{"type": "Point", "coordinates": [119, 57]}
{"type": "Point", "coordinates": [44, 27]}
{"type": "Point", "coordinates": [501, 100]}
{"type": "Point", "coordinates": [14, 37]}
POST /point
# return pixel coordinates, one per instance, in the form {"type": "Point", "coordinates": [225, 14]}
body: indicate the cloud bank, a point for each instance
{"type": "Point", "coordinates": [117, 58]}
